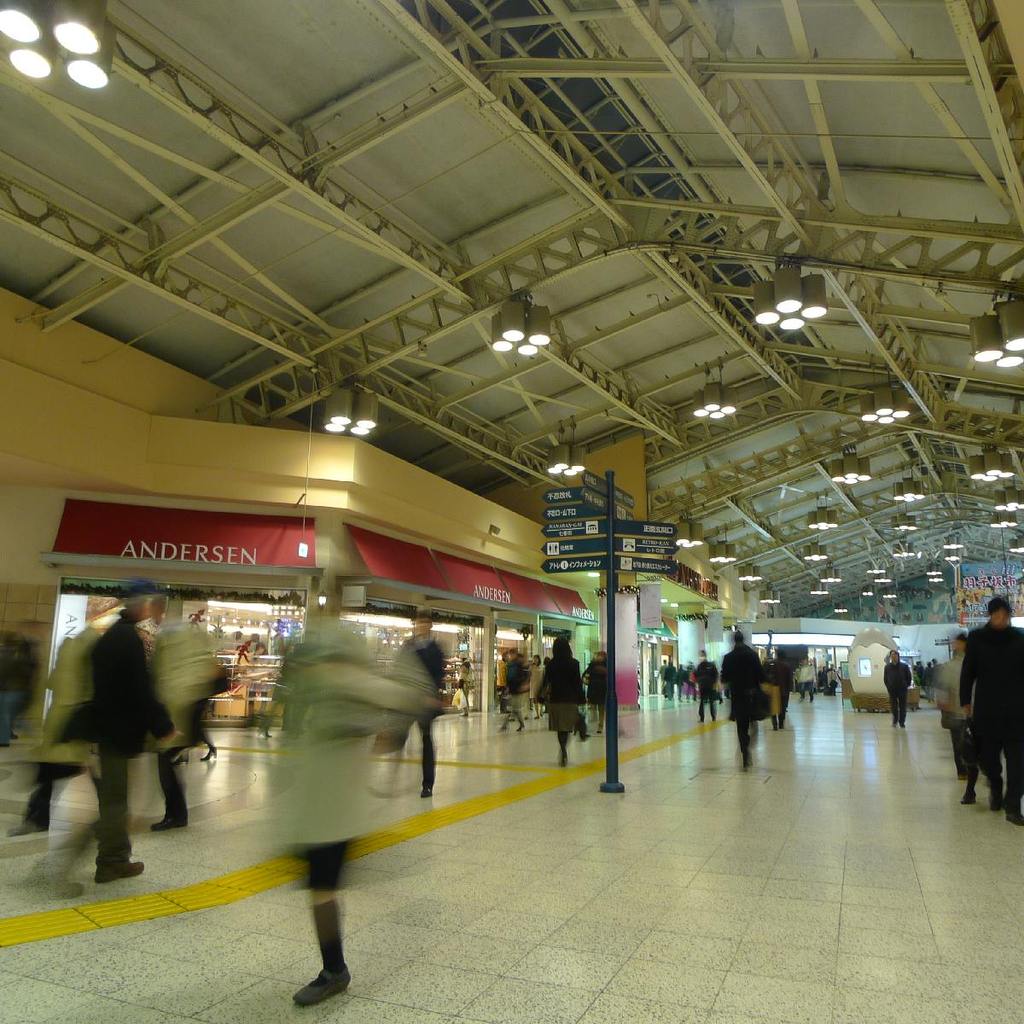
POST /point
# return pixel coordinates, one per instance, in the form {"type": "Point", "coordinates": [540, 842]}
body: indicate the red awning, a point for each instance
{"type": "Point", "coordinates": [435, 571]}
{"type": "Point", "coordinates": [398, 560]}
{"type": "Point", "coordinates": [527, 593]}
{"type": "Point", "coordinates": [570, 602]}
{"type": "Point", "coordinates": [473, 579]}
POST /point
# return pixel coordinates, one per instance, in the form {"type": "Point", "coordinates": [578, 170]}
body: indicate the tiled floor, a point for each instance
{"type": "Point", "coordinates": [839, 882]}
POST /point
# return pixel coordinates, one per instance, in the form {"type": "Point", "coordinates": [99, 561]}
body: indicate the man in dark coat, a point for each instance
{"type": "Point", "coordinates": [707, 681]}
{"type": "Point", "coordinates": [992, 695]}
{"type": "Point", "coordinates": [782, 677]}
{"type": "Point", "coordinates": [432, 658]}
{"type": "Point", "coordinates": [742, 672]}
{"type": "Point", "coordinates": [897, 681]}
{"type": "Point", "coordinates": [126, 710]}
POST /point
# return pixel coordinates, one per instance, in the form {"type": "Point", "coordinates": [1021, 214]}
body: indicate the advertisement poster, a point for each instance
{"type": "Point", "coordinates": [650, 605]}
{"type": "Point", "coordinates": [980, 582]}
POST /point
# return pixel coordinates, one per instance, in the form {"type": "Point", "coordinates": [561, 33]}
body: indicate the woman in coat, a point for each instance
{"type": "Point", "coordinates": [536, 682]}
{"type": "Point", "coordinates": [467, 684]}
{"type": "Point", "coordinates": [563, 688]}
{"type": "Point", "coordinates": [596, 678]}
{"type": "Point", "coordinates": [339, 704]}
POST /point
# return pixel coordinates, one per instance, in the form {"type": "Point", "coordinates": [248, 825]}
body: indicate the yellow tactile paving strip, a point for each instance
{"type": "Point", "coordinates": [238, 885]}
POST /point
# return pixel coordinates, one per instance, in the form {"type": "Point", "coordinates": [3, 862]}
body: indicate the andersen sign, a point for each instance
{"type": "Point", "coordinates": [184, 535]}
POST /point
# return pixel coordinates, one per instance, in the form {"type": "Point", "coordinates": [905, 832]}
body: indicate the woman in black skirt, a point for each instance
{"type": "Point", "coordinates": [563, 690]}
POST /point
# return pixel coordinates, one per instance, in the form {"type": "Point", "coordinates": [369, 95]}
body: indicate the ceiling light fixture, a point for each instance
{"type": "Point", "coordinates": [1009, 501]}
{"type": "Point", "coordinates": [750, 576]}
{"type": "Point", "coordinates": [876, 572]}
{"type": "Point", "coordinates": [722, 554]}
{"type": "Point", "coordinates": [908, 490]}
{"type": "Point", "coordinates": [886, 406]}
{"type": "Point", "coordinates": [823, 519]}
{"type": "Point", "coordinates": [904, 524]}
{"type": "Point", "coordinates": [1017, 546]}
{"type": "Point", "coordinates": [953, 559]}
{"type": "Point", "coordinates": [575, 465]}
{"type": "Point", "coordinates": [790, 299]}
{"type": "Point", "coordinates": [818, 592]}
{"type": "Point", "coordinates": [93, 72]}
{"type": "Point", "coordinates": [714, 405]}
{"type": "Point", "coordinates": [558, 463]}
{"type": "Point", "coordinates": [365, 412]}
{"type": "Point", "coordinates": [689, 534]}
{"type": "Point", "coordinates": [889, 597]}
{"type": "Point", "coordinates": [815, 553]}
{"type": "Point", "coordinates": [841, 611]}
{"type": "Point", "coordinates": [772, 598]}
{"type": "Point", "coordinates": [850, 469]}
{"type": "Point", "coordinates": [867, 593]}
{"type": "Point", "coordinates": [986, 339]}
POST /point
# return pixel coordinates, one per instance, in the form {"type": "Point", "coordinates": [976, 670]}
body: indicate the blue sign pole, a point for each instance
{"type": "Point", "coordinates": [611, 783]}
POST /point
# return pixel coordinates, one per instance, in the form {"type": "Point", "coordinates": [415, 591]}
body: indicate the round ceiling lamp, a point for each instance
{"type": "Point", "coordinates": [823, 519]}
{"type": "Point", "coordinates": [789, 299]}
{"type": "Point", "coordinates": [689, 534]}
{"type": "Point", "coordinates": [1011, 322]}
{"type": "Point", "coordinates": [772, 598]}
{"type": "Point", "coordinates": [365, 413]}
{"type": "Point", "coordinates": [750, 576]}
{"type": "Point", "coordinates": [1009, 500]}
{"type": "Point", "coordinates": [18, 21]}
{"type": "Point", "coordinates": [815, 553]}
{"type": "Point", "coordinates": [558, 462]}
{"type": "Point", "coordinates": [850, 469]}
{"type": "Point", "coordinates": [78, 24]}
{"type": "Point", "coordinates": [575, 462]}
{"type": "Point", "coordinates": [904, 524]}
{"type": "Point", "coordinates": [908, 490]}
{"type": "Point", "coordinates": [713, 404]}
{"type": "Point", "coordinates": [986, 339]}
{"type": "Point", "coordinates": [722, 554]}
{"type": "Point", "coordinates": [886, 407]}
{"type": "Point", "coordinates": [338, 412]}
{"type": "Point", "coordinates": [765, 312]}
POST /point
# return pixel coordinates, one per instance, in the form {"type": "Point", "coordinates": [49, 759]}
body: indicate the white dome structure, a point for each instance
{"type": "Point", "coordinates": [868, 654]}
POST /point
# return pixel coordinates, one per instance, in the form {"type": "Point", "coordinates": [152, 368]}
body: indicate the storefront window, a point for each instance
{"type": "Point", "coordinates": [249, 633]}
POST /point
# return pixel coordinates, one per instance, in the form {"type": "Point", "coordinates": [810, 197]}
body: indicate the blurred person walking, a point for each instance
{"type": "Point", "coordinates": [669, 676]}
{"type": "Point", "coordinates": [946, 682]}
{"type": "Point", "coordinates": [596, 678]}
{"type": "Point", "coordinates": [707, 685]}
{"type": "Point", "coordinates": [18, 667]}
{"type": "Point", "coordinates": [338, 704]}
{"type": "Point", "coordinates": [431, 658]}
{"type": "Point", "coordinates": [517, 682]}
{"type": "Point", "coordinates": [563, 690]}
{"type": "Point", "coordinates": [536, 682]}
{"type": "Point", "coordinates": [126, 709]}
{"type": "Point", "coordinates": [992, 696]}
{"type": "Point", "coordinates": [70, 686]}
{"type": "Point", "coordinates": [897, 681]}
{"type": "Point", "coordinates": [743, 673]}
{"type": "Point", "coordinates": [781, 678]}
{"type": "Point", "coordinates": [805, 680]}
{"type": "Point", "coordinates": [467, 684]}
{"type": "Point", "coordinates": [186, 675]}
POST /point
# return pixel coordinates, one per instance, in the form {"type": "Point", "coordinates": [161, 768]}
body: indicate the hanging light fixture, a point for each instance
{"type": "Point", "coordinates": [952, 545]}
{"type": "Point", "coordinates": [19, 21]}
{"type": "Point", "coordinates": [689, 534]}
{"type": "Point", "coordinates": [37, 60]}
{"type": "Point", "coordinates": [1017, 545]}
{"type": "Point", "coordinates": [1003, 520]}
{"type": "Point", "coordinates": [882, 579]}
{"type": "Point", "coordinates": [575, 462]}
{"type": "Point", "coordinates": [986, 339]}
{"type": "Point", "coordinates": [953, 559]}
{"type": "Point", "coordinates": [823, 519]}
{"type": "Point", "coordinates": [819, 592]}
{"type": "Point", "coordinates": [841, 611]}
{"type": "Point", "coordinates": [512, 320]}
{"type": "Point", "coordinates": [867, 593]}
{"type": "Point", "coordinates": [78, 24]}
{"type": "Point", "coordinates": [765, 312]}
{"type": "Point", "coordinates": [902, 553]}
{"type": "Point", "coordinates": [908, 490]}
{"type": "Point", "coordinates": [877, 572]}
{"type": "Point", "coordinates": [904, 524]}
{"type": "Point", "coordinates": [365, 413]}
{"type": "Point", "coordinates": [714, 405]}
{"type": "Point", "coordinates": [889, 597]}
{"type": "Point", "coordinates": [558, 462]}
{"type": "Point", "coordinates": [750, 576]}
{"type": "Point", "coordinates": [772, 598]}
{"type": "Point", "coordinates": [338, 412]}
{"type": "Point", "coordinates": [722, 554]}
{"type": "Point", "coordinates": [498, 341]}
{"type": "Point", "coordinates": [831, 577]}
{"type": "Point", "coordinates": [850, 468]}
{"type": "Point", "coordinates": [815, 553]}
{"type": "Point", "coordinates": [1009, 501]}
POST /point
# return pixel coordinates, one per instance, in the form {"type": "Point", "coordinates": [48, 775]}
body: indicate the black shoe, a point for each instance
{"type": "Point", "coordinates": [969, 798]}
{"type": "Point", "coordinates": [1015, 819]}
{"type": "Point", "coordinates": [426, 792]}
{"type": "Point", "coordinates": [563, 759]}
{"type": "Point", "coordinates": [995, 801]}
{"type": "Point", "coordinates": [113, 872]}
{"type": "Point", "coordinates": [903, 725]}
{"type": "Point", "coordinates": [323, 986]}
{"type": "Point", "coordinates": [211, 753]}
{"type": "Point", "coordinates": [746, 761]}
{"type": "Point", "coordinates": [168, 823]}
{"type": "Point", "coordinates": [520, 729]}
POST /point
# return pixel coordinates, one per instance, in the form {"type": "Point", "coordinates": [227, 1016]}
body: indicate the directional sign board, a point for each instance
{"type": "Point", "coordinates": [598, 484]}
{"type": "Point", "coordinates": [556, 513]}
{"type": "Point", "coordinates": [583, 564]}
{"type": "Point", "coordinates": [582, 528]}
{"type": "Point", "coordinates": [584, 546]}
{"type": "Point", "coordinates": [644, 528]}
{"type": "Point", "coordinates": [581, 497]}
{"type": "Point", "coordinates": [631, 563]}
{"type": "Point", "coordinates": [645, 545]}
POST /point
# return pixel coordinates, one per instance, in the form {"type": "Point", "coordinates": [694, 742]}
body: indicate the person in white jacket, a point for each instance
{"type": "Point", "coordinates": [338, 704]}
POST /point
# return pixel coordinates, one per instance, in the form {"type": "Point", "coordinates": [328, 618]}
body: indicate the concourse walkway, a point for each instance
{"type": "Point", "coordinates": [837, 882]}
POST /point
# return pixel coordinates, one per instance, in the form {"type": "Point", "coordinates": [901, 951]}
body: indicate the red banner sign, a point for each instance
{"type": "Point", "coordinates": [185, 535]}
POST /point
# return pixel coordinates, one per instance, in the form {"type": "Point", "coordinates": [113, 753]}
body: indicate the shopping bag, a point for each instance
{"type": "Point", "coordinates": [457, 699]}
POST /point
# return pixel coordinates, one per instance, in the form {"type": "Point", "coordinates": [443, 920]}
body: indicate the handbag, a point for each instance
{"type": "Point", "coordinates": [760, 704]}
